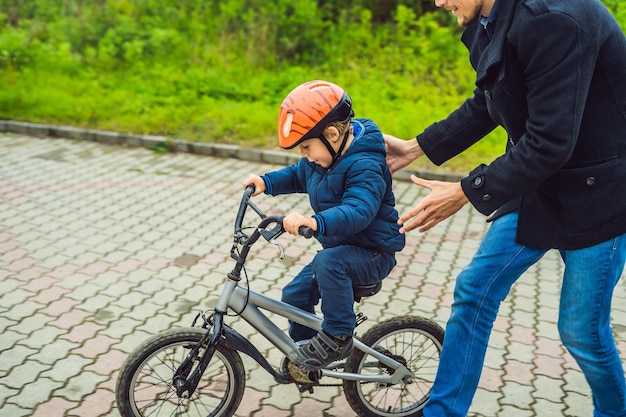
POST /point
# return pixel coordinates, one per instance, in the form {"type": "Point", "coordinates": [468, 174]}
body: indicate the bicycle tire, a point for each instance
{"type": "Point", "coordinates": [414, 341]}
{"type": "Point", "coordinates": [144, 385]}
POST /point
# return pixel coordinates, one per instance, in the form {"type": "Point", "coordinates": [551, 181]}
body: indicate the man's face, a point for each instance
{"type": "Point", "coordinates": [466, 11]}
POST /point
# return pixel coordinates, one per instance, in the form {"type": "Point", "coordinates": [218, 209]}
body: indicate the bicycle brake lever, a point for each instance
{"type": "Point", "coordinates": [280, 248]}
{"type": "Point", "coordinates": [271, 234]}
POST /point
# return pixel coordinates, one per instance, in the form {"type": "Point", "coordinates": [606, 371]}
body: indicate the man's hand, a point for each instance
{"type": "Point", "coordinates": [293, 221]}
{"type": "Point", "coordinates": [444, 199]}
{"type": "Point", "coordinates": [401, 153]}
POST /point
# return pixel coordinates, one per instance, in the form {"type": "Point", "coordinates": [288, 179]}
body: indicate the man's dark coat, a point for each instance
{"type": "Point", "coordinates": [554, 76]}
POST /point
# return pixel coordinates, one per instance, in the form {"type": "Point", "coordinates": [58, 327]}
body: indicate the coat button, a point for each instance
{"type": "Point", "coordinates": [478, 182]}
{"type": "Point", "coordinates": [488, 94]}
{"type": "Point", "coordinates": [487, 197]}
{"type": "Point", "coordinates": [590, 181]}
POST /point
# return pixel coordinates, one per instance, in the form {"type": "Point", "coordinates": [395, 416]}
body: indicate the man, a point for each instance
{"type": "Point", "coordinates": [552, 73]}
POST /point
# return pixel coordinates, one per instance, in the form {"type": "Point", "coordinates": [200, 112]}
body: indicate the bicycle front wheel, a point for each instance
{"type": "Point", "coordinates": [413, 341]}
{"type": "Point", "coordinates": [145, 382]}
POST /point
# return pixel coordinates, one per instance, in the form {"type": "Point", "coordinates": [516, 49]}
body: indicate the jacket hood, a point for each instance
{"type": "Point", "coordinates": [366, 138]}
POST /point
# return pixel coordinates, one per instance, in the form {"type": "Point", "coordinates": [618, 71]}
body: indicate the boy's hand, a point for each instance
{"type": "Point", "coordinates": [257, 182]}
{"type": "Point", "coordinates": [293, 221]}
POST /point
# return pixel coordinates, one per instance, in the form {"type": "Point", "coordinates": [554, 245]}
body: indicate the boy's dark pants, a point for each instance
{"type": "Point", "coordinates": [336, 270]}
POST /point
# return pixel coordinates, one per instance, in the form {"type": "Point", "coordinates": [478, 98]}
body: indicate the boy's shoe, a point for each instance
{"type": "Point", "coordinates": [321, 351]}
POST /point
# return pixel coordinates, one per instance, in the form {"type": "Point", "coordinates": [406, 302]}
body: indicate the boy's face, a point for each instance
{"type": "Point", "coordinates": [315, 151]}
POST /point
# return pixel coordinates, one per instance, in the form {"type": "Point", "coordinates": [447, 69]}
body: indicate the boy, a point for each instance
{"type": "Point", "coordinates": [344, 172]}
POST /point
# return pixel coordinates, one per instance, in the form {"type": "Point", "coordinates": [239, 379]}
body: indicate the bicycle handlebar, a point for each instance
{"type": "Point", "coordinates": [242, 238]}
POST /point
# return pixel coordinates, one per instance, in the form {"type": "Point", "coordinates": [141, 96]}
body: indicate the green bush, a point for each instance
{"type": "Point", "coordinates": [217, 70]}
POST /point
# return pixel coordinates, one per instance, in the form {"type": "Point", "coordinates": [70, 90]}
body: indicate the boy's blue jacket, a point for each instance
{"type": "Point", "coordinates": [353, 200]}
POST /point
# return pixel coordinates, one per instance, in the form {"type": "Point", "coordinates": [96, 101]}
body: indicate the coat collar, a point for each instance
{"type": "Point", "coordinates": [493, 51]}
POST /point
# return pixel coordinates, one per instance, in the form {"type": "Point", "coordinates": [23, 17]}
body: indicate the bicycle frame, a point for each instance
{"type": "Point", "coordinates": [248, 304]}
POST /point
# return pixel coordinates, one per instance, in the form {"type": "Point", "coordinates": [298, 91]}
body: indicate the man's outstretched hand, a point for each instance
{"type": "Point", "coordinates": [444, 199]}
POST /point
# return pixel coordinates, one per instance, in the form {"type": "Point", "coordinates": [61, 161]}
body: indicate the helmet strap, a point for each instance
{"type": "Point", "coordinates": [337, 154]}
{"type": "Point", "coordinates": [343, 145]}
{"type": "Point", "coordinates": [326, 143]}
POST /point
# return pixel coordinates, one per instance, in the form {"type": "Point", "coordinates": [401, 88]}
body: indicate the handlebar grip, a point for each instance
{"type": "Point", "coordinates": [305, 231]}
{"type": "Point", "coordinates": [242, 207]}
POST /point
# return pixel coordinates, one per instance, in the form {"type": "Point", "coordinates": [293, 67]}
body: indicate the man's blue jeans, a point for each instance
{"type": "Point", "coordinates": [335, 270]}
{"type": "Point", "coordinates": [590, 276]}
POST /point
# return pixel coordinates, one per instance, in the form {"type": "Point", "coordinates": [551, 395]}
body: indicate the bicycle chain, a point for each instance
{"type": "Point", "coordinates": [301, 377]}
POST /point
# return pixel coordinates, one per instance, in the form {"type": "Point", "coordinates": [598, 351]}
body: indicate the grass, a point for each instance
{"type": "Point", "coordinates": [200, 106]}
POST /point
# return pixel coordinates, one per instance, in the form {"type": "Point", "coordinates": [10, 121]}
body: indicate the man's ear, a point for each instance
{"type": "Point", "coordinates": [331, 133]}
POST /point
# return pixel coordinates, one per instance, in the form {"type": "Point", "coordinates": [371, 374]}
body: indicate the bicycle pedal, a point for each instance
{"type": "Point", "coordinates": [304, 388]}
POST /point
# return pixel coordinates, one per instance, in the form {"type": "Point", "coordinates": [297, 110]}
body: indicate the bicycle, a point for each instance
{"type": "Point", "coordinates": [198, 371]}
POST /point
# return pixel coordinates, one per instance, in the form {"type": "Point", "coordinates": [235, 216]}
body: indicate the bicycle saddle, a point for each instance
{"type": "Point", "coordinates": [361, 291]}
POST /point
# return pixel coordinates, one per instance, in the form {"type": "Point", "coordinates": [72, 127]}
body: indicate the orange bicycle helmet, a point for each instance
{"type": "Point", "coordinates": [308, 109]}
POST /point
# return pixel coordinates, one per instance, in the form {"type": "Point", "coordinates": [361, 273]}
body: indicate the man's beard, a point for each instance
{"type": "Point", "coordinates": [473, 16]}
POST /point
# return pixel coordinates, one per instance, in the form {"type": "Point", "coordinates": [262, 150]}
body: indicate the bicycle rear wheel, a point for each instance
{"type": "Point", "coordinates": [413, 341]}
{"type": "Point", "coordinates": [145, 382]}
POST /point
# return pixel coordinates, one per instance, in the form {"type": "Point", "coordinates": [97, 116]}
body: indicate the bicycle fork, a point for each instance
{"type": "Point", "coordinates": [185, 380]}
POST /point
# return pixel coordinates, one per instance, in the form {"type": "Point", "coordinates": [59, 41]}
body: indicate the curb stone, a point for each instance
{"type": "Point", "coordinates": [183, 146]}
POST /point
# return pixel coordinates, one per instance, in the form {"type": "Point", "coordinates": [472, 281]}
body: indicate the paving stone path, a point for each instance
{"type": "Point", "coordinates": [102, 246]}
